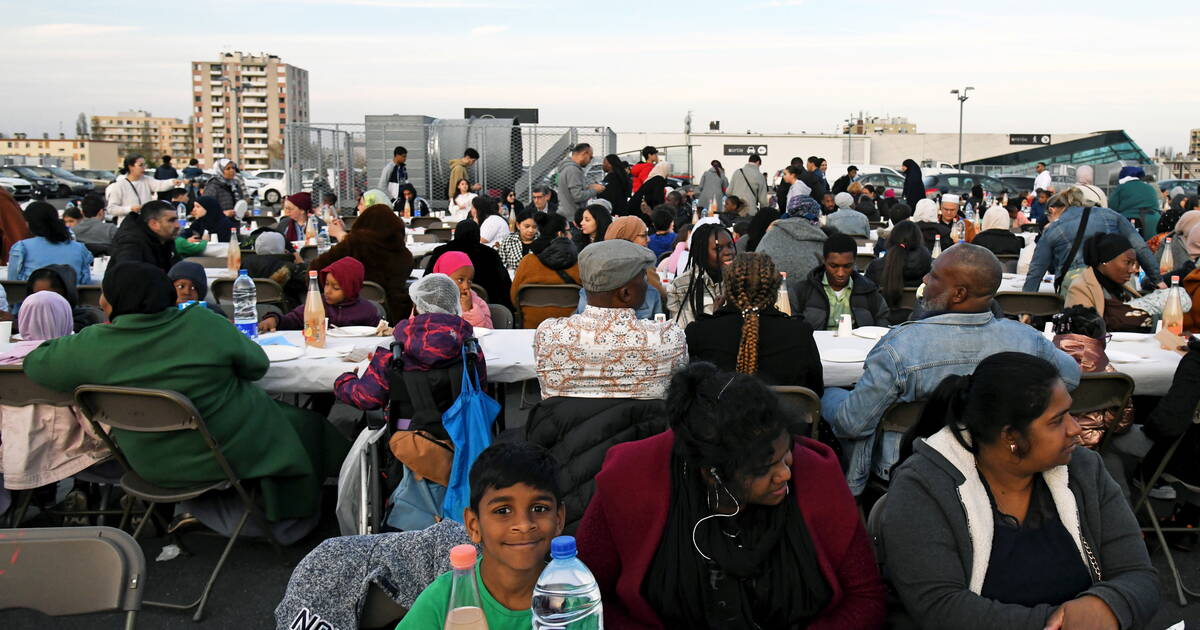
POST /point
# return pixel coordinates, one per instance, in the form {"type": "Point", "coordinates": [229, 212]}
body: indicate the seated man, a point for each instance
{"type": "Point", "coordinates": [606, 351]}
{"type": "Point", "coordinates": [93, 229]}
{"type": "Point", "coordinates": [846, 219]}
{"type": "Point", "coordinates": [148, 236]}
{"type": "Point", "coordinates": [835, 289]}
{"type": "Point", "coordinates": [908, 363]}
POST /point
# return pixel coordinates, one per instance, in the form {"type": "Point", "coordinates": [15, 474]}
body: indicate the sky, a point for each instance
{"type": "Point", "coordinates": [759, 65]}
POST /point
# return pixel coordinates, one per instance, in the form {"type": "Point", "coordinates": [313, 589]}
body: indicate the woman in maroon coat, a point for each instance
{"type": "Point", "coordinates": [727, 521]}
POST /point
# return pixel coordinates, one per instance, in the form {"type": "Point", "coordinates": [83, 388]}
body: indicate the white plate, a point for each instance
{"type": "Point", "coordinates": [480, 331]}
{"type": "Point", "coordinates": [1130, 336]}
{"type": "Point", "coordinates": [1116, 356]}
{"type": "Point", "coordinates": [352, 331]}
{"type": "Point", "coordinates": [871, 332]}
{"type": "Point", "coordinates": [844, 355]}
{"type": "Point", "coordinates": [283, 353]}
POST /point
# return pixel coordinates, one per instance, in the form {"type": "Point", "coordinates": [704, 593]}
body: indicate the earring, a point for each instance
{"type": "Point", "coordinates": [1012, 447]}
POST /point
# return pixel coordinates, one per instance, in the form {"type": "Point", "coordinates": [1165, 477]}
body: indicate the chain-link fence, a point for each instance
{"type": "Point", "coordinates": [322, 158]}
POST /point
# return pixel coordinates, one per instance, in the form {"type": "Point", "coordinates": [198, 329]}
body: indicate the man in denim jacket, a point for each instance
{"type": "Point", "coordinates": [1055, 242]}
{"type": "Point", "coordinates": [910, 361]}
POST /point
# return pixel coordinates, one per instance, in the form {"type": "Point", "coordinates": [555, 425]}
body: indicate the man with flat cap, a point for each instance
{"type": "Point", "coordinates": [606, 351]}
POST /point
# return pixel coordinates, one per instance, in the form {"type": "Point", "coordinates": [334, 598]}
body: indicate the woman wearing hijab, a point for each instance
{"type": "Point", "coordinates": [51, 244]}
{"type": "Point", "coordinates": [492, 227]}
{"type": "Point", "coordinates": [697, 291]}
{"type": "Point", "coordinates": [914, 184]}
{"type": "Point", "coordinates": [459, 268]}
{"type": "Point", "coordinates": [151, 343]}
{"type": "Point", "coordinates": [377, 241]}
{"type": "Point", "coordinates": [226, 188]}
{"type": "Point", "coordinates": [997, 234]}
{"type": "Point", "coordinates": [632, 229]}
{"type": "Point", "coordinates": [936, 233]}
{"type": "Point", "coordinates": [653, 192]}
{"type": "Point", "coordinates": [616, 185]}
{"type": "Point", "coordinates": [1104, 286]}
{"type": "Point", "coordinates": [211, 221]}
{"type": "Point", "coordinates": [739, 524]}
{"type": "Point", "coordinates": [61, 280]}
{"type": "Point", "coordinates": [370, 198]}
{"type": "Point", "coordinates": [43, 444]}
{"type": "Point", "coordinates": [553, 259]}
{"type": "Point", "coordinates": [1170, 219]}
{"type": "Point", "coordinates": [191, 285]}
{"type": "Point", "coordinates": [270, 259]}
{"type": "Point", "coordinates": [1093, 195]}
{"type": "Point", "coordinates": [490, 272]}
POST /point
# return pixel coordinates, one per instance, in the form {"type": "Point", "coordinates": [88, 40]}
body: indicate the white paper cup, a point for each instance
{"type": "Point", "coordinates": [5, 334]}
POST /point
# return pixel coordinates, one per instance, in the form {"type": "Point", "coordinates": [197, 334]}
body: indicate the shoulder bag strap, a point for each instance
{"type": "Point", "coordinates": [136, 194]}
{"type": "Point", "coordinates": [566, 278]}
{"type": "Point", "coordinates": [1058, 279]}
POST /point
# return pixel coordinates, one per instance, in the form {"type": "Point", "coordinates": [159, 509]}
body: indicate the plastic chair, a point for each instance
{"type": "Point", "coordinates": [72, 571]}
{"type": "Point", "coordinates": [160, 411]}
{"type": "Point", "coordinates": [261, 221]}
{"type": "Point", "coordinates": [480, 291]}
{"type": "Point", "coordinates": [1017, 303]}
{"type": "Point", "coordinates": [425, 222]}
{"type": "Point", "coordinates": [308, 253]}
{"type": "Point", "coordinates": [547, 295]}
{"type": "Point", "coordinates": [89, 294]}
{"type": "Point", "coordinates": [502, 318]}
{"type": "Point", "coordinates": [1009, 261]}
{"type": "Point", "coordinates": [374, 292]}
{"type": "Point", "coordinates": [862, 261]}
{"type": "Point", "coordinates": [427, 238]}
{"type": "Point", "coordinates": [268, 291]}
{"type": "Point", "coordinates": [211, 262]}
{"type": "Point", "coordinates": [380, 610]}
{"type": "Point", "coordinates": [800, 402]}
{"type": "Point", "coordinates": [1101, 390]}
{"type": "Point", "coordinates": [15, 290]}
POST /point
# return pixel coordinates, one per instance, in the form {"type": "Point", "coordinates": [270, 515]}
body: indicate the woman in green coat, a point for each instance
{"type": "Point", "coordinates": [151, 343]}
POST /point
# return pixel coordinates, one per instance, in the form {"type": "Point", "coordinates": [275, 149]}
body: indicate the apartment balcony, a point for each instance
{"type": "Point", "coordinates": [250, 72]}
{"type": "Point", "coordinates": [254, 114]}
{"type": "Point", "coordinates": [258, 83]}
{"type": "Point", "coordinates": [255, 124]}
{"type": "Point", "coordinates": [249, 135]}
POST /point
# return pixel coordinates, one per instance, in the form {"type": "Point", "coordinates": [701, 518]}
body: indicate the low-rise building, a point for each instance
{"type": "Point", "coordinates": [67, 152]}
{"type": "Point", "coordinates": [136, 131]}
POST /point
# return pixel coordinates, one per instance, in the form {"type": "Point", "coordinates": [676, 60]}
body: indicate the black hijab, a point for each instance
{"type": "Point", "coordinates": [914, 184]}
{"type": "Point", "coordinates": [758, 226]}
{"type": "Point", "coordinates": [137, 288]}
{"type": "Point", "coordinates": [490, 272]}
{"type": "Point", "coordinates": [214, 221]}
{"type": "Point", "coordinates": [1101, 248]}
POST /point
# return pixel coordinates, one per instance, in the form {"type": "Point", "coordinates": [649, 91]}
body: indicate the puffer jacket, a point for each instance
{"type": "Point", "coordinates": [1089, 353]}
{"type": "Point", "coordinates": [546, 267]}
{"type": "Point", "coordinates": [579, 432]}
{"type": "Point", "coordinates": [226, 192]}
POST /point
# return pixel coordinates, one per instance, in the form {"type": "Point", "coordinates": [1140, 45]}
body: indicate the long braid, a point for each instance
{"type": "Point", "coordinates": [751, 285]}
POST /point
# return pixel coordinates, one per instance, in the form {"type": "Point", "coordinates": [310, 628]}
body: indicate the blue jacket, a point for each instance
{"type": "Point", "coordinates": [651, 306]}
{"type": "Point", "coordinates": [849, 221]}
{"type": "Point", "coordinates": [1055, 243]}
{"type": "Point", "coordinates": [34, 253]}
{"type": "Point", "coordinates": [908, 363]}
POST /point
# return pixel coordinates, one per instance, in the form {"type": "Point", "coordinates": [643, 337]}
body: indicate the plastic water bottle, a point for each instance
{"type": "Point", "coordinates": [245, 302]}
{"type": "Point", "coordinates": [465, 609]}
{"type": "Point", "coordinates": [181, 210]}
{"type": "Point", "coordinates": [566, 596]}
{"type": "Point", "coordinates": [323, 240]}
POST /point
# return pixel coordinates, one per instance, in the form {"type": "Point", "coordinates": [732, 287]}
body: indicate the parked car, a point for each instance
{"type": "Point", "coordinates": [1022, 183]}
{"type": "Point", "coordinates": [1189, 186]}
{"type": "Point", "coordinates": [883, 182]}
{"type": "Point", "coordinates": [19, 188]}
{"type": "Point", "coordinates": [961, 184]}
{"type": "Point", "coordinates": [78, 185]}
{"type": "Point", "coordinates": [43, 186]}
{"type": "Point", "coordinates": [274, 188]}
{"type": "Point", "coordinates": [100, 179]}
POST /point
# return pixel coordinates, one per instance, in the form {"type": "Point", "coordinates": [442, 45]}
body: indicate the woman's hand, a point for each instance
{"type": "Point", "coordinates": [267, 325]}
{"type": "Point", "coordinates": [336, 229]}
{"type": "Point", "coordinates": [1085, 613]}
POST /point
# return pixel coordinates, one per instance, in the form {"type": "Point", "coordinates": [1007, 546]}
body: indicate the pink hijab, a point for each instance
{"type": "Point", "coordinates": [450, 262]}
{"type": "Point", "coordinates": [44, 315]}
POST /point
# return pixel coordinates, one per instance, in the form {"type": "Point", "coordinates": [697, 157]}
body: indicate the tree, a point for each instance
{"type": "Point", "coordinates": [81, 126]}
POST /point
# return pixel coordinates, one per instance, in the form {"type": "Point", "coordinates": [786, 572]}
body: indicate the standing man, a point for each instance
{"type": "Point", "coordinates": [781, 191]}
{"type": "Point", "coordinates": [641, 170]}
{"type": "Point", "coordinates": [573, 189]}
{"type": "Point", "coordinates": [458, 170]}
{"type": "Point", "coordinates": [193, 169]}
{"type": "Point", "coordinates": [395, 174]}
{"type": "Point", "coordinates": [1137, 200]}
{"type": "Point", "coordinates": [815, 178]}
{"type": "Point", "coordinates": [165, 170]}
{"type": "Point", "coordinates": [844, 181]}
{"type": "Point", "coordinates": [1043, 181]}
{"type": "Point", "coordinates": [749, 183]}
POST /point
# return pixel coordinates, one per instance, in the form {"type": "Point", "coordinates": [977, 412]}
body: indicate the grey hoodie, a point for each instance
{"type": "Point", "coordinates": [937, 539]}
{"type": "Point", "coordinates": [795, 246]}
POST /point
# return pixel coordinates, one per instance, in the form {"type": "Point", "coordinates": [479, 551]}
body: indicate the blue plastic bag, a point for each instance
{"type": "Point", "coordinates": [469, 423]}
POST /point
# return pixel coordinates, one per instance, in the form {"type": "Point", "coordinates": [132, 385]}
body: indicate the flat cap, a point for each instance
{"type": "Point", "coordinates": [609, 265]}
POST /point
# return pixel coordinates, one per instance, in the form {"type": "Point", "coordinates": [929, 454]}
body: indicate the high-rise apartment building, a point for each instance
{"type": "Point", "coordinates": [138, 132]}
{"type": "Point", "coordinates": [1194, 143]}
{"type": "Point", "coordinates": [241, 105]}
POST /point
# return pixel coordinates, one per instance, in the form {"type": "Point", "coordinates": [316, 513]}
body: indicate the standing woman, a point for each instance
{"type": "Point", "coordinates": [914, 184]}
{"type": "Point", "coordinates": [593, 223]}
{"type": "Point", "coordinates": [226, 188]}
{"type": "Point", "coordinates": [51, 244]}
{"type": "Point", "coordinates": [616, 185]}
{"type": "Point", "coordinates": [132, 189]}
{"type": "Point", "coordinates": [518, 243]}
{"type": "Point", "coordinates": [713, 184]}
{"type": "Point", "coordinates": [698, 291]}
{"type": "Point", "coordinates": [492, 227]}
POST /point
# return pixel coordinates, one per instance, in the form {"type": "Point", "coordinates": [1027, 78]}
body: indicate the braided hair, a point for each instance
{"type": "Point", "coordinates": [751, 285]}
{"type": "Point", "coordinates": [700, 266]}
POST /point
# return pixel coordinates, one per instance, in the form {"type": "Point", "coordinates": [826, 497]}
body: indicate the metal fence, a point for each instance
{"type": "Point", "coordinates": [326, 158]}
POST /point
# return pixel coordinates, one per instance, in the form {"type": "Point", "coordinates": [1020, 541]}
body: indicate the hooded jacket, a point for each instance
{"type": "Point", "coordinates": [914, 184]}
{"type": "Point", "coordinates": [135, 242]}
{"type": "Point", "coordinates": [548, 266]}
{"type": "Point", "coordinates": [351, 311]}
{"type": "Point", "coordinates": [867, 306]}
{"type": "Point", "coordinates": [795, 245]}
{"type": "Point", "coordinates": [458, 171]}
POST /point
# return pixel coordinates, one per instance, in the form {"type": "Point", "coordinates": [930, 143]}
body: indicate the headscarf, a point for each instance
{"type": "Point", "coordinates": [187, 270]}
{"type": "Point", "coordinates": [349, 273]}
{"type": "Point", "coordinates": [269, 243]}
{"type": "Point", "coordinates": [137, 288]}
{"type": "Point", "coordinates": [436, 293]}
{"type": "Point", "coordinates": [1166, 223]}
{"type": "Point", "coordinates": [843, 200]}
{"type": "Point", "coordinates": [214, 221]}
{"type": "Point", "coordinates": [301, 200]}
{"type": "Point", "coordinates": [914, 184]}
{"type": "Point", "coordinates": [925, 212]}
{"type": "Point", "coordinates": [450, 262]}
{"type": "Point", "coordinates": [625, 229]}
{"type": "Point", "coordinates": [1101, 248]}
{"type": "Point", "coordinates": [1085, 176]}
{"type": "Point", "coordinates": [996, 218]}
{"type": "Point", "coordinates": [661, 169]}
{"type": "Point", "coordinates": [758, 226]}
{"type": "Point", "coordinates": [374, 197]}
{"type": "Point", "coordinates": [1189, 226]}
{"type": "Point", "coordinates": [44, 315]}
{"type": "Point", "coordinates": [466, 232]}
{"type": "Point", "coordinates": [377, 241]}
{"type": "Point", "coordinates": [490, 272]}
{"type": "Point", "coordinates": [220, 167]}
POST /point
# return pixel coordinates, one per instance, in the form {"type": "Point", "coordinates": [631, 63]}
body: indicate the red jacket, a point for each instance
{"type": "Point", "coordinates": [624, 523]}
{"type": "Point", "coordinates": [639, 172]}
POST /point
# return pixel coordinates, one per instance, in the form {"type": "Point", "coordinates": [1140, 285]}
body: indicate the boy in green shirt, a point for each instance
{"type": "Point", "coordinates": [514, 513]}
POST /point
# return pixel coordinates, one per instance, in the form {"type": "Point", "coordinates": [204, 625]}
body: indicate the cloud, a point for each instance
{"type": "Point", "coordinates": [400, 4]}
{"type": "Point", "coordinates": [783, 3]}
{"type": "Point", "coordinates": [488, 29]}
{"type": "Point", "coordinates": [75, 30]}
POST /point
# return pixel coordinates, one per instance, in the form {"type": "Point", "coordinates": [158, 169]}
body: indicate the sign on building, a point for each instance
{"type": "Point", "coordinates": [1029, 138]}
{"type": "Point", "coordinates": [745, 149]}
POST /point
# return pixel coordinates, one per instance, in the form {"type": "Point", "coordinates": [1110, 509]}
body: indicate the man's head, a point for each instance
{"type": "Point", "coordinates": [674, 199]}
{"type": "Point", "coordinates": [469, 156]}
{"type": "Point", "coordinates": [515, 506]}
{"type": "Point", "coordinates": [161, 218]}
{"type": "Point", "coordinates": [754, 159]}
{"type": "Point", "coordinates": [582, 154]}
{"type": "Point", "coordinates": [828, 203]}
{"type": "Point", "coordinates": [1041, 166]}
{"type": "Point", "coordinates": [839, 251]}
{"type": "Point", "coordinates": [852, 172]}
{"type": "Point", "coordinates": [166, 160]}
{"type": "Point", "coordinates": [614, 273]}
{"type": "Point", "coordinates": [813, 163]}
{"type": "Point", "coordinates": [964, 279]}
{"type": "Point", "coordinates": [92, 206]}
{"type": "Point", "coordinates": [649, 154]}
{"type": "Point", "coordinates": [948, 211]}
{"type": "Point", "coordinates": [541, 197]}
{"type": "Point", "coordinates": [399, 155]}
{"type": "Point", "coordinates": [193, 162]}
{"type": "Point", "coordinates": [176, 195]}
{"type": "Point", "coordinates": [797, 161]}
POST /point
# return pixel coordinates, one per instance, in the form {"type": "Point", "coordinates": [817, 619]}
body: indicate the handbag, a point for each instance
{"type": "Point", "coordinates": [415, 503]}
{"type": "Point", "coordinates": [468, 422]}
{"type": "Point", "coordinates": [427, 457]}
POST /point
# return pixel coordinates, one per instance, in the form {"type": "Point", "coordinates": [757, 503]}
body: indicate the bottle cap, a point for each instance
{"type": "Point", "coordinates": [462, 557]}
{"type": "Point", "coordinates": [562, 547]}
{"type": "Point", "coordinates": [1174, 279]}
{"type": "Point", "coordinates": [312, 274]}
{"type": "Point", "coordinates": [243, 272]}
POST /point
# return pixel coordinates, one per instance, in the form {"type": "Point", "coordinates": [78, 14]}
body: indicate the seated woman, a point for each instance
{"type": "Point", "coordinates": [997, 233]}
{"type": "Point", "coordinates": [727, 520]}
{"type": "Point", "coordinates": [678, 259]}
{"type": "Point", "coordinates": [1167, 224]}
{"type": "Point", "coordinates": [271, 260]}
{"type": "Point", "coordinates": [431, 339]}
{"type": "Point", "coordinates": [151, 343]}
{"type": "Point", "coordinates": [697, 291]}
{"type": "Point", "coordinates": [458, 266]}
{"type": "Point", "coordinates": [1079, 331]}
{"type": "Point", "coordinates": [210, 220]}
{"type": "Point", "coordinates": [377, 241]}
{"type": "Point", "coordinates": [903, 266]}
{"type": "Point", "coordinates": [341, 283]}
{"type": "Point", "coordinates": [191, 285]}
{"type": "Point", "coordinates": [633, 229]}
{"type": "Point", "coordinates": [749, 335]}
{"type": "Point", "coordinates": [1102, 285]}
{"type": "Point", "coordinates": [51, 244]}
{"type": "Point", "coordinates": [997, 521]}
{"type": "Point", "coordinates": [552, 260]}
{"type": "Point", "coordinates": [593, 225]}
{"type": "Point", "coordinates": [409, 203]}
{"type": "Point", "coordinates": [43, 444]}
{"type": "Point", "coordinates": [492, 227]}
{"type": "Point", "coordinates": [518, 243]}
{"type": "Point", "coordinates": [937, 234]}
{"type": "Point", "coordinates": [1185, 239]}
{"type": "Point", "coordinates": [1173, 418]}
{"type": "Point", "coordinates": [489, 270]}
{"type": "Point", "coordinates": [61, 280]}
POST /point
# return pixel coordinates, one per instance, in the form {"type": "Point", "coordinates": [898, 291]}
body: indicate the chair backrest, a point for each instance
{"type": "Point", "coordinates": [380, 610]}
{"type": "Point", "coordinates": [427, 238]}
{"type": "Point", "coordinates": [502, 318]}
{"type": "Point", "coordinates": [267, 291]}
{"type": "Point", "coordinates": [15, 290]}
{"type": "Point", "coordinates": [373, 292]}
{"type": "Point", "coordinates": [1031, 227]}
{"type": "Point", "coordinates": [800, 403]}
{"type": "Point", "coordinates": [262, 221]}
{"type": "Point", "coordinates": [1016, 303]}
{"type": "Point", "coordinates": [862, 240]}
{"type": "Point", "coordinates": [138, 409]}
{"type": "Point", "coordinates": [425, 222]}
{"type": "Point", "coordinates": [877, 225]}
{"type": "Point", "coordinates": [308, 253]}
{"type": "Point", "coordinates": [99, 249]}
{"type": "Point", "coordinates": [18, 390]}
{"type": "Point", "coordinates": [481, 292]}
{"type": "Point", "coordinates": [875, 529]}
{"type": "Point", "coordinates": [1101, 390]}
{"type": "Point", "coordinates": [349, 222]}
{"type": "Point", "coordinates": [89, 294]}
{"type": "Point", "coordinates": [443, 234]}
{"type": "Point", "coordinates": [862, 261]}
{"type": "Point", "coordinates": [902, 416]}
{"type": "Point", "coordinates": [212, 262]}
{"type": "Point", "coordinates": [71, 570]}
{"type": "Point", "coordinates": [540, 295]}
{"type": "Point", "coordinates": [1009, 261]}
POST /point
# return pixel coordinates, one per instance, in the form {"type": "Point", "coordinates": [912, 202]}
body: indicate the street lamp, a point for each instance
{"type": "Point", "coordinates": [962, 98]}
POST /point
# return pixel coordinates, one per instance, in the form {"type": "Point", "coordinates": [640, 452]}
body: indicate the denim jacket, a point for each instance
{"type": "Point", "coordinates": [908, 363]}
{"type": "Point", "coordinates": [1055, 243]}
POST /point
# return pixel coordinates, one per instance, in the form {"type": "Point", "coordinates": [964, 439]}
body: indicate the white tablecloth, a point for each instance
{"type": "Point", "coordinates": [421, 249]}
{"type": "Point", "coordinates": [509, 355]}
{"type": "Point", "coordinates": [1016, 282]}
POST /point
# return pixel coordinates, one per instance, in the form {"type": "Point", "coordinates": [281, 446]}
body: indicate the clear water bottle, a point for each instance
{"type": "Point", "coordinates": [245, 302]}
{"type": "Point", "coordinates": [181, 210]}
{"type": "Point", "coordinates": [323, 240]}
{"type": "Point", "coordinates": [566, 596]}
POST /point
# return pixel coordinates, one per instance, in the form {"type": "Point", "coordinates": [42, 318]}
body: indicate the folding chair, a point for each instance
{"type": "Point", "coordinates": [877, 225]}
{"type": "Point", "coordinates": [1009, 261]}
{"type": "Point", "coordinates": [875, 529]}
{"type": "Point", "coordinates": [89, 294]}
{"type": "Point", "coordinates": [373, 292]}
{"type": "Point", "coordinates": [14, 290]}
{"type": "Point", "coordinates": [262, 221]}
{"type": "Point", "coordinates": [898, 418]}
{"type": "Point", "coordinates": [349, 222]}
{"type": "Point", "coordinates": [72, 571]}
{"type": "Point", "coordinates": [425, 222]}
{"type": "Point", "coordinates": [800, 402]}
{"type": "Point", "coordinates": [502, 318]}
{"type": "Point", "coordinates": [426, 238]}
{"type": "Point", "coordinates": [380, 610]}
{"type": "Point", "coordinates": [443, 234]}
{"type": "Point", "coordinates": [266, 291]}
{"type": "Point", "coordinates": [482, 292]}
{"type": "Point", "coordinates": [210, 262]}
{"type": "Point", "coordinates": [861, 240]}
{"type": "Point", "coordinates": [18, 390]}
{"type": "Point", "coordinates": [547, 295]}
{"type": "Point", "coordinates": [308, 253]}
{"type": "Point", "coordinates": [1017, 303]}
{"type": "Point", "coordinates": [862, 261]}
{"type": "Point", "coordinates": [159, 411]}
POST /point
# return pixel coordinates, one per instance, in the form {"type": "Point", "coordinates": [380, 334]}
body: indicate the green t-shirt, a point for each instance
{"type": "Point", "coordinates": [429, 611]}
{"type": "Point", "coordinates": [839, 301]}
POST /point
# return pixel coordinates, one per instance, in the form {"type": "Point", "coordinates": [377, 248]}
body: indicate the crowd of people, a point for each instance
{"type": "Point", "coordinates": [661, 440]}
